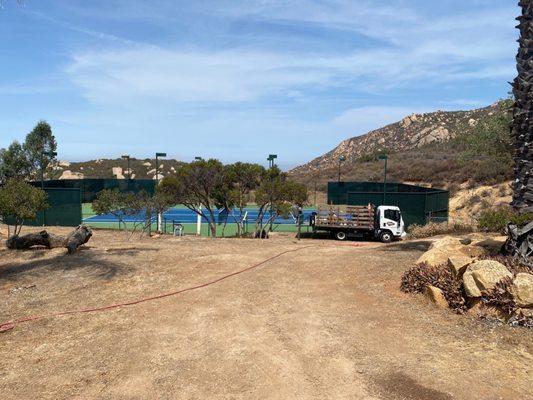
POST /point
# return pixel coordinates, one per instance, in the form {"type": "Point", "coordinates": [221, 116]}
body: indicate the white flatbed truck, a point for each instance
{"type": "Point", "coordinates": [384, 223]}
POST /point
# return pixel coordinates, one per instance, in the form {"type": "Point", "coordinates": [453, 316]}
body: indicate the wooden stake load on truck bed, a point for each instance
{"type": "Point", "coordinates": [359, 217]}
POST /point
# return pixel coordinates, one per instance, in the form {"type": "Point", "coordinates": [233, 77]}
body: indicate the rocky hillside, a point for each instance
{"type": "Point", "coordinates": [414, 131]}
{"type": "Point", "coordinates": [117, 168]}
{"type": "Point", "coordinates": [424, 148]}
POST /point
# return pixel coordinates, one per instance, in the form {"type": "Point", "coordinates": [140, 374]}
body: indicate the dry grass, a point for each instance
{"type": "Point", "coordinates": [327, 322]}
{"type": "Point", "coordinates": [440, 228]}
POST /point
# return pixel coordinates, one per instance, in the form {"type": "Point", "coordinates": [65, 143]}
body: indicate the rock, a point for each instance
{"type": "Point", "coordinates": [68, 174]}
{"type": "Point", "coordinates": [493, 312]}
{"type": "Point", "coordinates": [439, 251]}
{"type": "Point", "coordinates": [405, 122]}
{"type": "Point", "coordinates": [63, 164]}
{"type": "Point", "coordinates": [459, 263]}
{"type": "Point", "coordinates": [442, 249]}
{"type": "Point", "coordinates": [435, 295]}
{"type": "Point", "coordinates": [147, 164]}
{"type": "Point", "coordinates": [472, 122]}
{"type": "Point", "coordinates": [466, 241]}
{"type": "Point", "coordinates": [151, 172]}
{"type": "Point", "coordinates": [117, 171]}
{"type": "Point", "coordinates": [523, 290]}
{"type": "Point", "coordinates": [478, 308]}
{"type": "Point", "coordinates": [483, 275]}
{"type": "Point", "coordinates": [493, 246]}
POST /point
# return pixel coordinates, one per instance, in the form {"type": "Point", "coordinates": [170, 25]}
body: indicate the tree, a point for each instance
{"type": "Point", "coordinates": [522, 124]}
{"type": "Point", "coordinates": [241, 179]}
{"type": "Point", "coordinates": [19, 202]}
{"type": "Point", "coordinates": [196, 186]}
{"type": "Point", "coordinates": [40, 145]}
{"type": "Point", "coordinates": [13, 163]}
{"type": "Point", "coordinates": [279, 195]}
{"type": "Point", "coordinates": [113, 202]}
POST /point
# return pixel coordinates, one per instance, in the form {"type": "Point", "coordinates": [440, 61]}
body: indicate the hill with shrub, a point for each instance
{"type": "Point", "coordinates": [442, 149]}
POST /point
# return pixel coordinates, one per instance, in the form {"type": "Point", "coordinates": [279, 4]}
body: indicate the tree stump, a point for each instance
{"type": "Point", "coordinates": [79, 236]}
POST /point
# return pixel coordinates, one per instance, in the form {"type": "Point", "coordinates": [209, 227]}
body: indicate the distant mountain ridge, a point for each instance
{"type": "Point", "coordinates": [412, 132]}
{"type": "Point", "coordinates": [113, 168]}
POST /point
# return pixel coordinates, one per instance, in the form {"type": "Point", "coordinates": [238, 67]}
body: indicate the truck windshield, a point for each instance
{"type": "Point", "coordinates": [392, 214]}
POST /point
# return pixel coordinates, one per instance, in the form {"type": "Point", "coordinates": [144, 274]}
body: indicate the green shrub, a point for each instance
{"type": "Point", "coordinates": [496, 219]}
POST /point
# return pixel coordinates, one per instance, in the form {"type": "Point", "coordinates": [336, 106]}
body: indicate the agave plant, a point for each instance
{"type": "Point", "coordinates": [522, 124]}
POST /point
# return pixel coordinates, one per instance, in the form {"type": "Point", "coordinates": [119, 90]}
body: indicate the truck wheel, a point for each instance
{"type": "Point", "coordinates": [340, 235]}
{"type": "Point", "coordinates": [385, 237]}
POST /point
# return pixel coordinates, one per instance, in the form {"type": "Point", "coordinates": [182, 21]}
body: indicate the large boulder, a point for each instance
{"type": "Point", "coordinates": [442, 249]}
{"type": "Point", "coordinates": [435, 295]}
{"type": "Point", "coordinates": [459, 263]}
{"type": "Point", "coordinates": [523, 290]}
{"type": "Point", "coordinates": [483, 275]}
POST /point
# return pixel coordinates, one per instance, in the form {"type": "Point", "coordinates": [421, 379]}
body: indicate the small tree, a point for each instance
{"type": "Point", "coordinates": [243, 178]}
{"type": "Point", "coordinates": [226, 197]}
{"type": "Point", "coordinates": [19, 202]}
{"type": "Point", "coordinates": [112, 202]}
{"type": "Point", "coordinates": [40, 144]}
{"type": "Point", "coordinates": [196, 186]}
{"type": "Point", "coordinates": [14, 163]}
{"type": "Point", "coordinates": [279, 195]}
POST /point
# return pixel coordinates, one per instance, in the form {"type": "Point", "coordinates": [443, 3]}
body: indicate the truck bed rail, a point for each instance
{"type": "Point", "coordinates": [360, 217]}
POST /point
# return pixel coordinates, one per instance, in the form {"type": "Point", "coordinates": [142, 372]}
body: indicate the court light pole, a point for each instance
{"type": "Point", "coordinates": [159, 216]}
{"type": "Point", "coordinates": [51, 154]}
{"type": "Point", "coordinates": [384, 157]}
{"type": "Point", "coordinates": [127, 158]}
{"type": "Point", "coordinates": [341, 160]}
{"type": "Point", "coordinates": [271, 164]}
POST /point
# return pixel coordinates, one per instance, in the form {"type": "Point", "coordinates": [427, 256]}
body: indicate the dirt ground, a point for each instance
{"type": "Point", "coordinates": [325, 322]}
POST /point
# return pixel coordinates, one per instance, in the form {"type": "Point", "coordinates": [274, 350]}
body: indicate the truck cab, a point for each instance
{"type": "Point", "coordinates": [389, 223]}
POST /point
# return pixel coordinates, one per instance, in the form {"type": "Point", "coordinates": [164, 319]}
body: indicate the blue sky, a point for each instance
{"type": "Point", "coordinates": [237, 80]}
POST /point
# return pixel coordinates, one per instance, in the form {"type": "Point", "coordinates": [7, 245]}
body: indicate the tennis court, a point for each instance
{"type": "Point", "coordinates": [188, 219]}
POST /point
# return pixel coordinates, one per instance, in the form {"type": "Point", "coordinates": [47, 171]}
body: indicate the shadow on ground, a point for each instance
{"type": "Point", "coordinates": [92, 262]}
{"type": "Point", "coordinates": [397, 385]}
{"type": "Point", "coordinates": [419, 245]}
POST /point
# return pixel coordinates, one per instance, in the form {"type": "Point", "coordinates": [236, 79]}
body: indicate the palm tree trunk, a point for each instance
{"type": "Point", "coordinates": [522, 124]}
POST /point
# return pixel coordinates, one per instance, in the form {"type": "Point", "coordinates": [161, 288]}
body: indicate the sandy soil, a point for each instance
{"type": "Point", "coordinates": [327, 321]}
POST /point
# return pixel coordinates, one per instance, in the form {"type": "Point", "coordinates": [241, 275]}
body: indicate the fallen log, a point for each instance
{"type": "Point", "coordinates": [79, 236]}
{"type": "Point", "coordinates": [76, 238]}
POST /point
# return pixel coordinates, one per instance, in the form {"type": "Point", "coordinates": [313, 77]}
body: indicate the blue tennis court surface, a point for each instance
{"type": "Point", "coordinates": [186, 216]}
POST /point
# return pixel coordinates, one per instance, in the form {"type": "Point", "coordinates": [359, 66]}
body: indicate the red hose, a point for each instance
{"type": "Point", "coordinates": [11, 324]}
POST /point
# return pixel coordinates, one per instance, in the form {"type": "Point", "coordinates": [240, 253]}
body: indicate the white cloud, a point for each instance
{"type": "Point", "coordinates": [414, 50]}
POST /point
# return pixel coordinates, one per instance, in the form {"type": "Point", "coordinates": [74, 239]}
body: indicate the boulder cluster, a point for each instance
{"type": "Point", "coordinates": [465, 275]}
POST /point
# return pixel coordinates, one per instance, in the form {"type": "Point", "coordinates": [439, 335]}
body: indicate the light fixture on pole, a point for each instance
{"type": "Point", "coordinates": [341, 160]}
{"type": "Point", "coordinates": [384, 157]}
{"type": "Point", "coordinates": [127, 158]}
{"type": "Point", "coordinates": [270, 159]}
{"type": "Point", "coordinates": [159, 216]}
